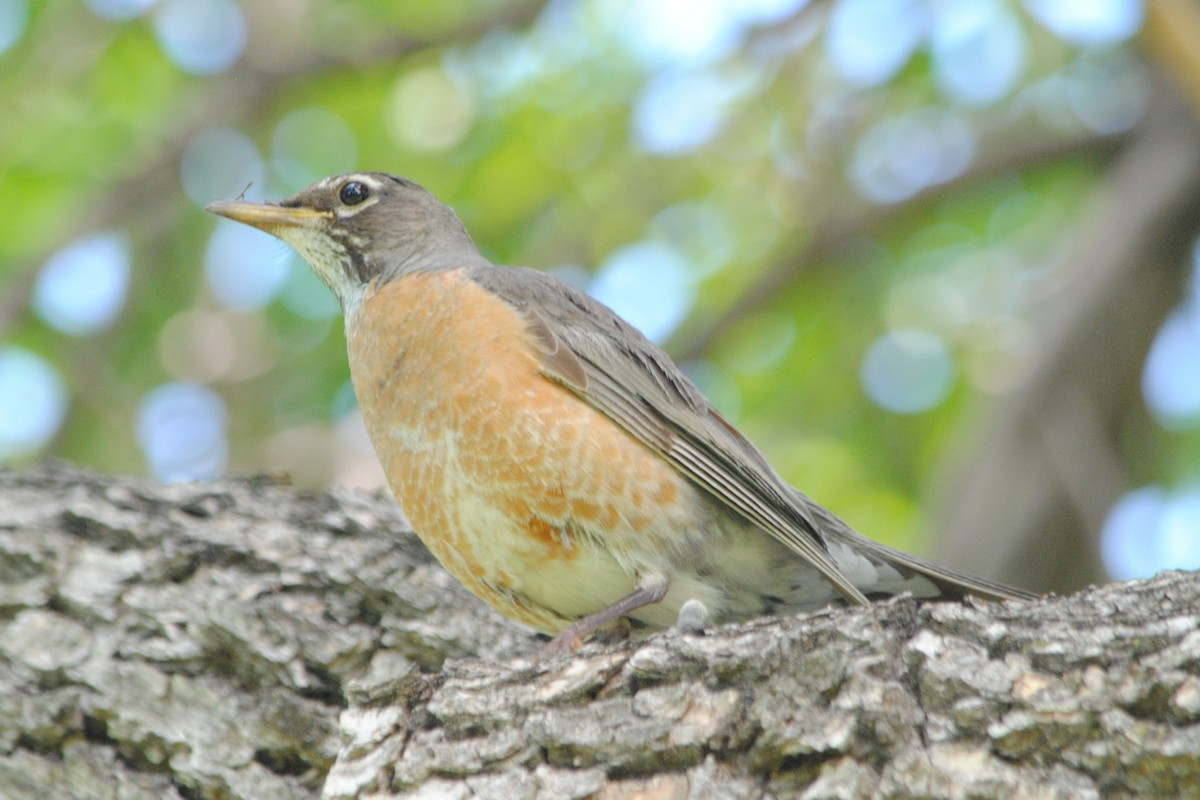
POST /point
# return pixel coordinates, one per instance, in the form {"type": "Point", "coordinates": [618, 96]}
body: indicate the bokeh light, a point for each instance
{"type": "Point", "coordinates": [181, 429]}
{"type": "Point", "coordinates": [978, 50]}
{"type": "Point", "coordinates": [679, 31]}
{"type": "Point", "coordinates": [303, 293]}
{"type": "Point", "coordinates": [1178, 539]}
{"type": "Point", "coordinates": [427, 110]}
{"type": "Point", "coordinates": [899, 156]}
{"type": "Point", "coordinates": [908, 371]}
{"type": "Point", "coordinates": [680, 111]}
{"type": "Point", "coordinates": [221, 163]}
{"type": "Point", "coordinates": [1171, 379]}
{"type": "Point", "coordinates": [1089, 22]}
{"type": "Point", "coordinates": [1108, 92]}
{"type": "Point", "coordinates": [197, 345]}
{"type": "Point", "coordinates": [700, 231]}
{"type": "Point", "coordinates": [309, 144]}
{"type": "Point", "coordinates": [33, 402]}
{"type": "Point", "coordinates": [869, 41]}
{"type": "Point", "coordinates": [82, 288]}
{"type": "Point", "coordinates": [1151, 529]}
{"type": "Point", "coordinates": [649, 284]}
{"type": "Point", "coordinates": [692, 32]}
{"type": "Point", "coordinates": [503, 61]}
{"type": "Point", "coordinates": [245, 267]}
{"type": "Point", "coordinates": [201, 36]}
{"type": "Point", "coordinates": [14, 17]}
{"type": "Point", "coordinates": [200, 346]}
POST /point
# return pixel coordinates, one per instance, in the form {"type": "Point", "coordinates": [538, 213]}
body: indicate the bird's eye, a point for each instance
{"type": "Point", "coordinates": [353, 193]}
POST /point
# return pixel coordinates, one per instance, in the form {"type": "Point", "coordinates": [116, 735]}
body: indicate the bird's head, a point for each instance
{"type": "Point", "coordinates": [359, 227]}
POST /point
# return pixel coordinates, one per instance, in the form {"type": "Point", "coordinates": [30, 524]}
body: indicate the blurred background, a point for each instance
{"type": "Point", "coordinates": [938, 258]}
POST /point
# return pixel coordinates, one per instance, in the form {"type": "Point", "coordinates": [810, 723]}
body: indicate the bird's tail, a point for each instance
{"type": "Point", "coordinates": [949, 583]}
{"type": "Point", "coordinates": [923, 578]}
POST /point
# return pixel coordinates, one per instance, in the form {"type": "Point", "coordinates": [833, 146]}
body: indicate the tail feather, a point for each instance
{"type": "Point", "coordinates": [948, 583]}
{"type": "Point", "coordinates": [952, 584]}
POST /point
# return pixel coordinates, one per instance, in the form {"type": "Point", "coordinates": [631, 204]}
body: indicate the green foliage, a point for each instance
{"type": "Point", "coordinates": [524, 118]}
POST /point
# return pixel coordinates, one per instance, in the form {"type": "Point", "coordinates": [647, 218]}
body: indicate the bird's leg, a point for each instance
{"type": "Point", "coordinates": [650, 589]}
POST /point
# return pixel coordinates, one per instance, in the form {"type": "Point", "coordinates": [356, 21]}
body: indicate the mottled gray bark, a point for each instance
{"type": "Point", "coordinates": [203, 641]}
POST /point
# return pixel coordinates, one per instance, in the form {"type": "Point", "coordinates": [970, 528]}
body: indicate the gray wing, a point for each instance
{"type": "Point", "coordinates": [613, 367]}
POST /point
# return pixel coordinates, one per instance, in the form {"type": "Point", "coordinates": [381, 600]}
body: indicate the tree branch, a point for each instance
{"type": "Point", "coordinates": [203, 640]}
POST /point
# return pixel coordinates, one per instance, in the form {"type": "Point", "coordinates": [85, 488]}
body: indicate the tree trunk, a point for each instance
{"type": "Point", "coordinates": [203, 641]}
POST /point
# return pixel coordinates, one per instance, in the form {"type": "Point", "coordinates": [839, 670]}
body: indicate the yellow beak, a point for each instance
{"type": "Point", "coordinates": [265, 216]}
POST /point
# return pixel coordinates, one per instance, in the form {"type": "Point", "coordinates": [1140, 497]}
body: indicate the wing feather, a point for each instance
{"type": "Point", "coordinates": [608, 363]}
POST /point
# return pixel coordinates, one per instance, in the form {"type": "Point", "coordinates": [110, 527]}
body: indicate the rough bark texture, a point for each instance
{"type": "Point", "coordinates": [203, 641]}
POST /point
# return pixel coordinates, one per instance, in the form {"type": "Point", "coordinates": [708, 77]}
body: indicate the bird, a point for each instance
{"type": "Point", "coordinates": [552, 458]}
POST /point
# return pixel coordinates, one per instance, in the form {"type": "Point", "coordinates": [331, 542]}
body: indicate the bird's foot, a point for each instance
{"type": "Point", "coordinates": [571, 637]}
{"type": "Point", "coordinates": [693, 616]}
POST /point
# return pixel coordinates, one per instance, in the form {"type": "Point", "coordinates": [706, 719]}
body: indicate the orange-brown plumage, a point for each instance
{"type": "Point", "coordinates": [500, 469]}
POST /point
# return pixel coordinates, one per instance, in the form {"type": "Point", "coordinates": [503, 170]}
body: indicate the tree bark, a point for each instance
{"type": "Point", "coordinates": [241, 639]}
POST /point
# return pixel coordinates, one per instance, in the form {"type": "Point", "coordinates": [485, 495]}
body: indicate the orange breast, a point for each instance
{"type": "Point", "coordinates": [537, 502]}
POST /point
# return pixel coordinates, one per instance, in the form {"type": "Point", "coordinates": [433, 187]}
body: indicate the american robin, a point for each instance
{"type": "Point", "coordinates": [552, 458]}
